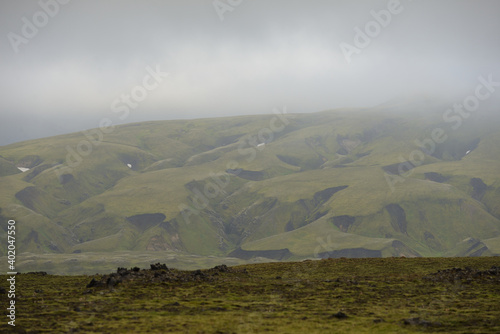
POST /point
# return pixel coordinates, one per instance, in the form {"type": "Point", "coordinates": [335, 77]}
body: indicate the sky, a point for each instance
{"type": "Point", "coordinates": [66, 65]}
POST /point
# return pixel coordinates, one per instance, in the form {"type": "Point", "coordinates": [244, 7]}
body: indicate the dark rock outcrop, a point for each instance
{"type": "Point", "coordinates": [146, 220]}
{"type": "Point", "coordinates": [35, 171]}
{"type": "Point", "coordinates": [478, 188]}
{"type": "Point", "coordinates": [325, 194]}
{"type": "Point", "coordinates": [435, 177]}
{"type": "Point", "coordinates": [398, 168]}
{"type": "Point", "coordinates": [161, 273]}
{"type": "Point", "coordinates": [466, 275]}
{"type": "Point", "coordinates": [339, 315]}
{"type": "Point", "coordinates": [398, 218]}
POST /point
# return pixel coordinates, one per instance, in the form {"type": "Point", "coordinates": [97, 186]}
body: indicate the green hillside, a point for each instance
{"type": "Point", "coordinates": [337, 183]}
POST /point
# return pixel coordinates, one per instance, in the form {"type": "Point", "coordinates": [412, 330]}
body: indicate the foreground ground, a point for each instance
{"type": "Point", "coordinates": [391, 295]}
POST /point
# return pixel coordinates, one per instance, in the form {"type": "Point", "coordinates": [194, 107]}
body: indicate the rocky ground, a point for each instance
{"type": "Point", "coordinates": [390, 295]}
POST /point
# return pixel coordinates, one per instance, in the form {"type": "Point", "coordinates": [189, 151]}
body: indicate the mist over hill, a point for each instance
{"type": "Point", "coordinates": [372, 182]}
{"type": "Point", "coordinates": [66, 63]}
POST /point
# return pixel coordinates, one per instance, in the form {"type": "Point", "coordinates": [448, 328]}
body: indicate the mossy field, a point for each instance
{"type": "Point", "coordinates": [382, 295]}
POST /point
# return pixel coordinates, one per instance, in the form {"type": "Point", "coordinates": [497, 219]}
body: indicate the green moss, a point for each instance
{"type": "Point", "coordinates": [274, 297]}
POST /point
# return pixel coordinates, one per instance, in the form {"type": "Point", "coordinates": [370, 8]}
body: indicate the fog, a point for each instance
{"type": "Point", "coordinates": [66, 65]}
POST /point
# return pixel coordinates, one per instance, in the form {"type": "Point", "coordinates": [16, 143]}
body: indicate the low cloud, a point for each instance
{"type": "Point", "coordinates": [263, 54]}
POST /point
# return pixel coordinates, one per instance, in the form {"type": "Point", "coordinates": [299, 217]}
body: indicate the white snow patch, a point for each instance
{"type": "Point", "coordinates": [22, 169]}
{"type": "Point", "coordinates": [129, 165]}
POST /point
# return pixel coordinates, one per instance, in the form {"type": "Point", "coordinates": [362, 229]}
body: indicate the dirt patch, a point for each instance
{"type": "Point", "coordinates": [157, 243]}
{"type": "Point", "coordinates": [160, 242]}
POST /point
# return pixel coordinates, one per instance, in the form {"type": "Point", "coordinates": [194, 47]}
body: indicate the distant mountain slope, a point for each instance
{"type": "Point", "coordinates": [348, 182]}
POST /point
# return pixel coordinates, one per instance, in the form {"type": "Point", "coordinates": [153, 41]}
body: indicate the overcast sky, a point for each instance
{"type": "Point", "coordinates": [244, 58]}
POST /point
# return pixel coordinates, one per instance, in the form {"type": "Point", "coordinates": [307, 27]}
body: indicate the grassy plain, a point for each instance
{"type": "Point", "coordinates": [389, 295]}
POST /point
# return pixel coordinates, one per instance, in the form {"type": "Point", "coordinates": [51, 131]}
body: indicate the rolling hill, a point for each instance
{"type": "Point", "coordinates": [395, 180]}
